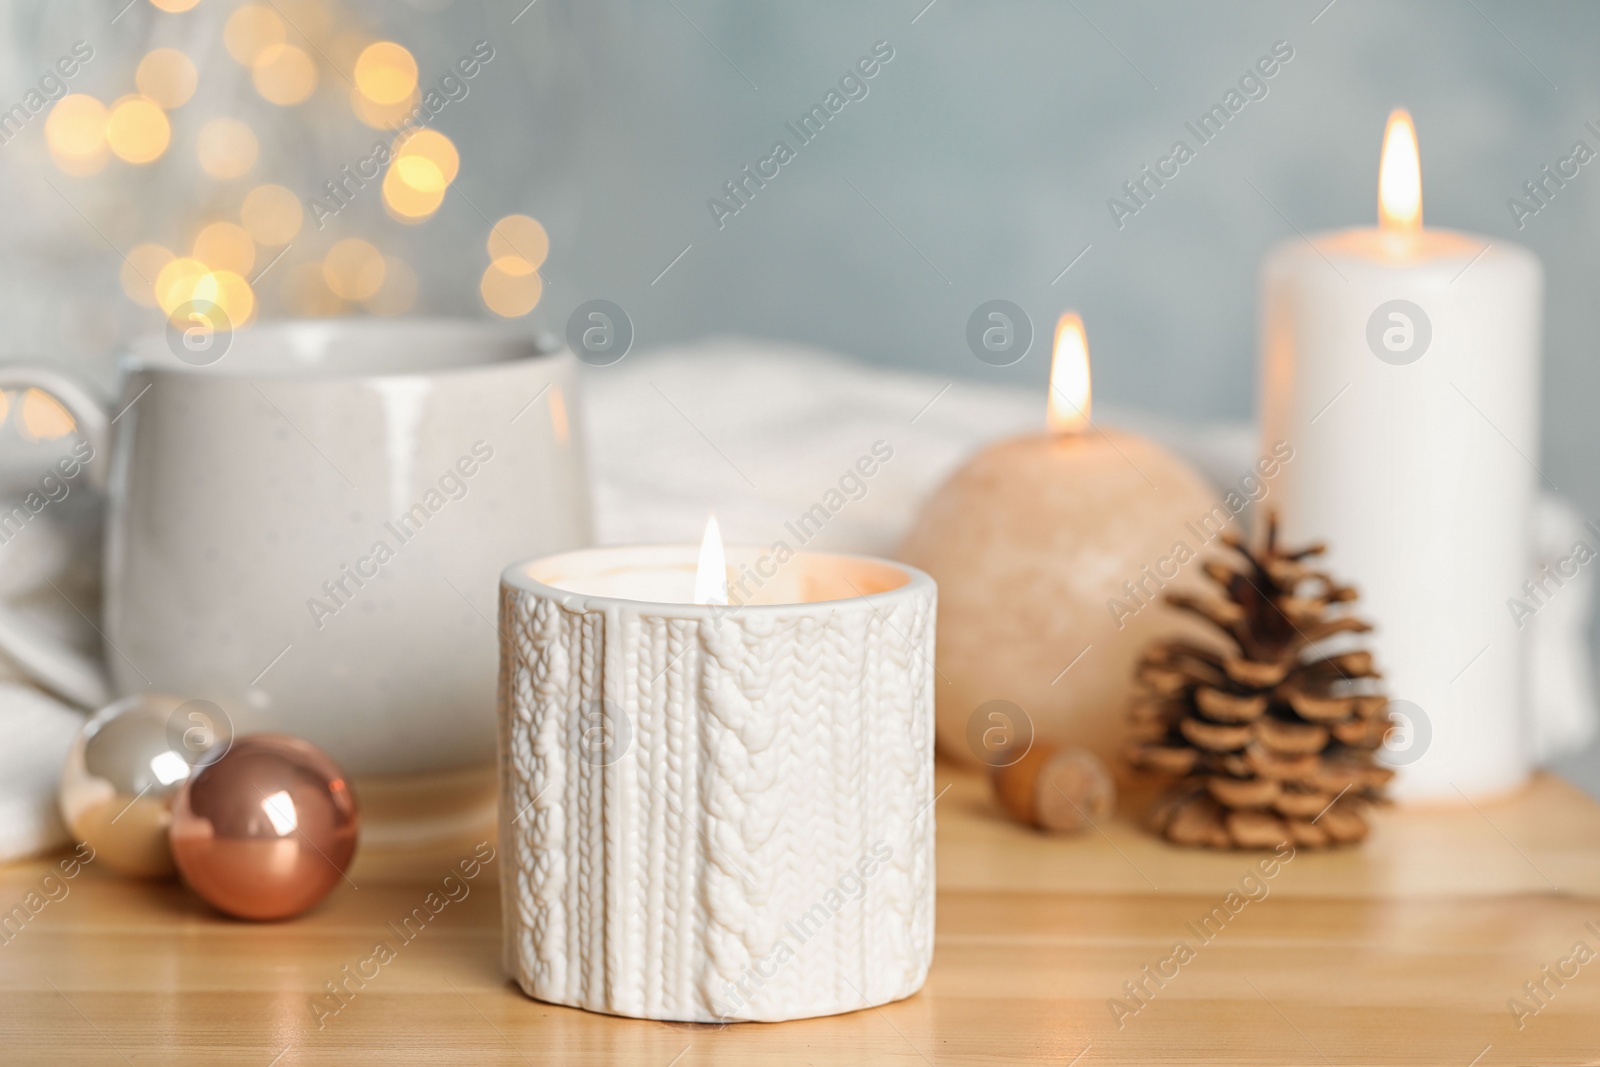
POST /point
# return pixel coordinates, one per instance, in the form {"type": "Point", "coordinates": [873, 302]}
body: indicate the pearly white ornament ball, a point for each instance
{"type": "Point", "coordinates": [124, 769]}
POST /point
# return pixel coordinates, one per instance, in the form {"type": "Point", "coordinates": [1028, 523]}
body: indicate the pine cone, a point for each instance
{"type": "Point", "coordinates": [1273, 738]}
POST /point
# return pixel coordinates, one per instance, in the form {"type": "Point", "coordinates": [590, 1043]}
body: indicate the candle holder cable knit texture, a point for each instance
{"type": "Point", "coordinates": [754, 837]}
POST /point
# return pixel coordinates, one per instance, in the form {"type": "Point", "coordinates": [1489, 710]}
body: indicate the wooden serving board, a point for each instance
{"type": "Point", "coordinates": [1406, 950]}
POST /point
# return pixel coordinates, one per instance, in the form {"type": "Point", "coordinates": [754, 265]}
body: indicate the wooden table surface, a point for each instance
{"type": "Point", "coordinates": [1406, 950]}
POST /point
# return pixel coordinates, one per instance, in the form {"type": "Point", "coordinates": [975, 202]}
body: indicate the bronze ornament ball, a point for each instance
{"type": "Point", "coordinates": [266, 830]}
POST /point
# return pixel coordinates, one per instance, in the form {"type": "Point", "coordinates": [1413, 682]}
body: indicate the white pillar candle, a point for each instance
{"type": "Point", "coordinates": [1402, 366]}
{"type": "Point", "coordinates": [714, 812]}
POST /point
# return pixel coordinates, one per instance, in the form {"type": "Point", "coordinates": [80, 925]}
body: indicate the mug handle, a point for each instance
{"type": "Point", "coordinates": [55, 666]}
{"type": "Point", "coordinates": [87, 411]}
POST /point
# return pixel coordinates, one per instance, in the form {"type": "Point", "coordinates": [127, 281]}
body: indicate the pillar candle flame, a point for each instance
{"type": "Point", "coordinates": [1400, 175]}
{"type": "Point", "coordinates": [1068, 409]}
{"type": "Point", "coordinates": [711, 574]}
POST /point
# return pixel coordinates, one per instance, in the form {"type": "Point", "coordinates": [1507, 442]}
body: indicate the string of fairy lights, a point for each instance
{"type": "Point", "coordinates": [287, 49]}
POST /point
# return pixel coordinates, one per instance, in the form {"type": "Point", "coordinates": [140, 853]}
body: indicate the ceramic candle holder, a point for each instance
{"type": "Point", "coordinates": [717, 813]}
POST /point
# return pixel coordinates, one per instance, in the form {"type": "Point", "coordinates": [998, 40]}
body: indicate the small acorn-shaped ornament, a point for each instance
{"type": "Point", "coordinates": [1059, 788]}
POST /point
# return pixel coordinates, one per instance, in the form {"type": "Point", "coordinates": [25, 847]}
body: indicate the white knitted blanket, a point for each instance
{"type": "Point", "coordinates": [759, 432]}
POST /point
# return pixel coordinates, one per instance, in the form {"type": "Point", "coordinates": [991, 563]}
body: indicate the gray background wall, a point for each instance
{"type": "Point", "coordinates": [980, 165]}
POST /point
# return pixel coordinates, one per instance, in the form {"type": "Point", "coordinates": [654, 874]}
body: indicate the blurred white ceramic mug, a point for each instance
{"type": "Point", "coordinates": [308, 529]}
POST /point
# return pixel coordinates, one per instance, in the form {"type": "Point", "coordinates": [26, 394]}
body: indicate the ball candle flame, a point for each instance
{"type": "Point", "coordinates": [1067, 410]}
{"type": "Point", "coordinates": [1052, 552]}
{"type": "Point", "coordinates": [1402, 364]}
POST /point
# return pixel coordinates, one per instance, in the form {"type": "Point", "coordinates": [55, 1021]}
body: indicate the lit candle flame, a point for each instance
{"type": "Point", "coordinates": [1400, 175]}
{"type": "Point", "coordinates": [1068, 410]}
{"type": "Point", "coordinates": [711, 575]}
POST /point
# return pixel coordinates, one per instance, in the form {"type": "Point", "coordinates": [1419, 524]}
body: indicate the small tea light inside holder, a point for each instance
{"type": "Point", "coordinates": [716, 811]}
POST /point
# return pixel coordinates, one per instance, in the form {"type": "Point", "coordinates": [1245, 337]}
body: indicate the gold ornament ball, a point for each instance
{"type": "Point", "coordinates": [1031, 543]}
{"type": "Point", "coordinates": [267, 829]}
{"type": "Point", "coordinates": [124, 770]}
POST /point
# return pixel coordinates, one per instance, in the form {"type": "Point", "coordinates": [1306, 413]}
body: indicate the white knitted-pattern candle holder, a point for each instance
{"type": "Point", "coordinates": [713, 813]}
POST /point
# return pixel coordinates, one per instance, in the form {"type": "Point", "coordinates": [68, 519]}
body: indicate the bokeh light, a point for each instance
{"type": "Point", "coordinates": [225, 246]}
{"type": "Point", "coordinates": [174, 6]}
{"type": "Point", "coordinates": [510, 287]}
{"type": "Point", "coordinates": [167, 76]}
{"type": "Point", "coordinates": [284, 74]}
{"type": "Point", "coordinates": [408, 204]}
{"type": "Point", "coordinates": [227, 148]}
{"type": "Point", "coordinates": [75, 132]}
{"type": "Point", "coordinates": [386, 73]}
{"type": "Point", "coordinates": [421, 173]}
{"type": "Point", "coordinates": [138, 130]}
{"type": "Point", "coordinates": [175, 284]}
{"type": "Point", "coordinates": [230, 293]}
{"type": "Point", "coordinates": [515, 266]}
{"type": "Point", "coordinates": [43, 417]}
{"type": "Point", "coordinates": [519, 237]}
{"type": "Point", "coordinates": [353, 269]}
{"type": "Point", "coordinates": [272, 214]}
{"type": "Point", "coordinates": [398, 292]}
{"type": "Point", "coordinates": [428, 155]}
{"type": "Point", "coordinates": [250, 31]}
{"type": "Point", "coordinates": [425, 163]}
{"type": "Point", "coordinates": [140, 270]}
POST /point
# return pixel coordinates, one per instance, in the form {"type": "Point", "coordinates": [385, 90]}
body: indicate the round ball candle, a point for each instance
{"type": "Point", "coordinates": [1053, 553]}
{"type": "Point", "coordinates": [1402, 365]}
{"type": "Point", "coordinates": [716, 811]}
